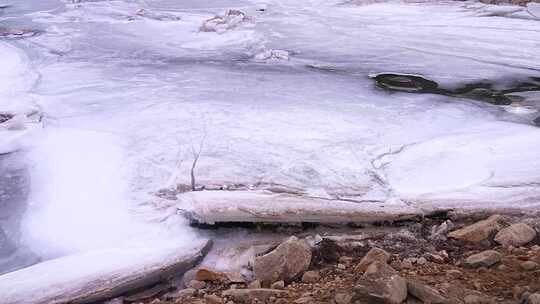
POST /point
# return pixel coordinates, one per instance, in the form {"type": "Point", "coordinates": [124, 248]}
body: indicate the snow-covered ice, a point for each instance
{"type": "Point", "coordinates": [278, 94]}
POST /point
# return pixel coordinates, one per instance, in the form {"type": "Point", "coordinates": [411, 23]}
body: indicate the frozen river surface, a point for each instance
{"type": "Point", "coordinates": [113, 100]}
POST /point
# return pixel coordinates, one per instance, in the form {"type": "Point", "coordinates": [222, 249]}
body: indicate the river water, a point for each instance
{"type": "Point", "coordinates": [276, 91]}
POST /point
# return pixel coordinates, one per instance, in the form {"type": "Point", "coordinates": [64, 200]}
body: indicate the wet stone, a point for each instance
{"type": "Point", "coordinates": [405, 83]}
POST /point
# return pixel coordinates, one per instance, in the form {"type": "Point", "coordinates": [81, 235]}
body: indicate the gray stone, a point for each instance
{"type": "Point", "coordinates": [534, 299]}
{"type": "Point", "coordinates": [381, 284]}
{"type": "Point", "coordinates": [424, 293]}
{"type": "Point", "coordinates": [197, 284]}
{"type": "Point", "coordinates": [516, 235]}
{"type": "Point", "coordinates": [188, 292]}
{"type": "Point", "coordinates": [288, 261]}
{"type": "Point", "coordinates": [278, 285]}
{"type": "Point", "coordinates": [478, 299]}
{"type": "Point", "coordinates": [483, 259]}
{"type": "Point", "coordinates": [479, 231]}
{"type": "Point", "coordinates": [311, 277]}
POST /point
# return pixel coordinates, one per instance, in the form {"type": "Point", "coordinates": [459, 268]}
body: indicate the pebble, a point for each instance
{"type": "Point", "coordinates": [197, 284]}
{"type": "Point", "coordinates": [343, 298]}
{"type": "Point", "coordinates": [529, 265]}
{"type": "Point", "coordinates": [278, 285]}
{"type": "Point", "coordinates": [213, 299]}
{"type": "Point", "coordinates": [311, 277]}
{"type": "Point", "coordinates": [256, 284]}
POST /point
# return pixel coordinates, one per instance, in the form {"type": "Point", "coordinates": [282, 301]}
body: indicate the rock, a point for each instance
{"type": "Point", "coordinates": [213, 299]}
{"type": "Point", "coordinates": [304, 300]}
{"type": "Point", "coordinates": [534, 299]}
{"type": "Point", "coordinates": [197, 284]}
{"type": "Point", "coordinates": [272, 55]}
{"type": "Point", "coordinates": [483, 259]}
{"type": "Point", "coordinates": [421, 261]}
{"type": "Point", "coordinates": [454, 273]}
{"type": "Point", "coordinates": [529, 265]}
{"type": "Point", "coordinates": [405, 82]}
{"type": "Point", "coordinates": [207, 275]}
{"type": "Point", "coordinates": [424, 293]}
{"type": "Point", "coordinates": [375, 254]}
{"type": "Point", "coordinates": [188, 292]}
{"type": "Point", "coordinates": [288, 261]}
{"type": "Point", "coordinates": [439, 232]}
{"type": "Point", "coordinates": [407, 264]}
{"type": "Point", "coordinates": [479, 231]}
{"type": "Point", "coordinates": [234, 277]}
{"type": "Point", "coordinates": [247, 295]}
{"type": "Point", "coordinates": [220, 24]}
{"type": "Point", "coordinates": [311, 277]}
{"type": "Point", "coordinates": [478, 299]}
{"type": "Point", "coordinates": [254, 284]}
{"type": "Point", "coordinates": [343, 298]}
{"type": "Point", "coordinates": [278, 285]}
{"type": "Point", "coordinates": [516, 235]}
{"type": "Point", "coordinates": [380, 284]}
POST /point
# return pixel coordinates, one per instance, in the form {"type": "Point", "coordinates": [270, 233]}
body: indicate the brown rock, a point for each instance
{"type": "Point", "coordinates": [288, 261]}
{"type": "Point", "coordinates": [478, 299]}
{"type": "Point", "coordinates": [208, 275]}
{"type": "Point", "coordinates": [213, 299]}
{"type": "Point", "coordinates": [529, 265]}
{"type": "Point", "coordinates": [304, 300]}
{"type": "Point", "coordinates": [381, 284]}
{"type": "Point", "coordinates": [424, 293]}
{"type": "Point", "coordinates": [375, 254]}
{"type": "Point", "coordinates": [516, 235]}
{"type": "Point", "coordinates": [247, 295]}
{"type": "Point", "coordinates": [343, 298]}
{"type": "Point", "coordinates": [479, 231]}
{"type": "Point", "coordinates": [311, 277]}
{"type": "Point", "coordinates": [483, 259]}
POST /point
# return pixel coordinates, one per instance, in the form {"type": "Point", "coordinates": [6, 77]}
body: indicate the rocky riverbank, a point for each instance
{"type": "Point", "coordinates": [493, 259]}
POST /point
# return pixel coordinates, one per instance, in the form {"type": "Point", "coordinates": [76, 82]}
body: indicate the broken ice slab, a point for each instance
{"type": "Point", "coordinates": [99, 275]}
{"type": "Point", "coordinates": [210, 207]}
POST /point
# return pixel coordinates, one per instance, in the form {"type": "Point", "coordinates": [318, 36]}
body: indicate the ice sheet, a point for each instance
{"type": "Point", "coordinates": [128, 97]}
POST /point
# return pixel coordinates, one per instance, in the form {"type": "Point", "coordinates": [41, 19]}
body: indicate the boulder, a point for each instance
{"type": "Point", "coordinates": [516, 235]}
{"type": "Point", "coordinates": [375, 254]}
{"type": "Point", "coordinates": [483, 259]}
{"type": "Point", "coordinates": [479, 231]}
{"type": "Point", "coordinates": [287, 262]}
{"type": "Point", "coordinates": [380, 284]}
{"type": "Point", "coordinates": [424, 293]}
{"type": "Point", "coordinates": [247, 295]}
